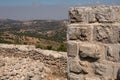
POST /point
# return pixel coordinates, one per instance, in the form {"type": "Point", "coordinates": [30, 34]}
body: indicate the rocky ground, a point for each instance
{"type": "Point", "coordinates": [20, 62]}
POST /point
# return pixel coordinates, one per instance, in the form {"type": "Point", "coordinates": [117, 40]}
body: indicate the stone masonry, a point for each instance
{"type": "Point", "coordinates": [93, 43]}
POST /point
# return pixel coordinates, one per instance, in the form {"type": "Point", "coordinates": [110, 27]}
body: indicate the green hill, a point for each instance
{"type": "Point", "coordinates": [45, 34]}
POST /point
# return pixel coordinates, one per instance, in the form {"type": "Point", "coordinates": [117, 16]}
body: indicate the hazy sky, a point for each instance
{"type": "Point", "coordinates": [43, 9]}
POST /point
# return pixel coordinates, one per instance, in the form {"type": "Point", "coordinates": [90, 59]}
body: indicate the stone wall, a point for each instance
{"type": "Point", "coordinates": [93, 43]}
{"type": "Point", "coordinates": [55, 61]}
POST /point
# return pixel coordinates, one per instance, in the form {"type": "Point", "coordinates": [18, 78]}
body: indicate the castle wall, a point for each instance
{"type": "Point", "coordinates": [93, 41]}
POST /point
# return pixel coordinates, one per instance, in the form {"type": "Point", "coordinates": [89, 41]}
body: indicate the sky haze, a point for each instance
{"type": "Point", "coordinates": [43, 9]}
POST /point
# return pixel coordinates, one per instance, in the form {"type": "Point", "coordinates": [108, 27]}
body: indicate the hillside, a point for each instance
{"type": "Point", "coordinates": [45, 34]}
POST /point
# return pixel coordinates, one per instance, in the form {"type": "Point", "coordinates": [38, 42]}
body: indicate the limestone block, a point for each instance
{"type": "Point", "coordinates": [82, 14]}
{"type": "Point", "coordinates": [73, 77]}
{"type": "Point", "coordinates": [90, 52]}
{"type": "Point", "coordinates": [92, 78]}
{"type": "Point", "coordinates": [107, 33]}
{"type": "Point", "coordinates": [107, 78]}
{"type": "Point", "coordinates": [74, 67]}
{"type": "Point", "coordinates": [72, 33]}
{"type": "Point", "coordinates": [105, 14]}
{"type": "Point", "coordinates": [80, 32]}
{"type": "Point", "coordinates": [73, 48]}
{"type": "Point", "coordinates": [101, 14]}
{"type": "Point", "coordinates": [86, 67]}
{"type": "Point", "coordinates": [116, 68]}
{"type": "Point", "coordinates": [103, 69]}
{"type": "Point", "coordinates": [117, 12]}
{"type": "Point", "coordinates": [113, 52]}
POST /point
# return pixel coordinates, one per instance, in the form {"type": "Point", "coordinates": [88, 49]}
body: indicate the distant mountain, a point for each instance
{"type": "Point", "coordinates": [7, 21]}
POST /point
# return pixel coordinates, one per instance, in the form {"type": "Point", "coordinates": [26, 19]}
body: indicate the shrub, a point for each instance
{"type": "Point", "coordinates": [38, 46]}
{"type": "Point", "coordinates": [62, 48]}
{"type": "Point", "coordinates": [49, 47]}
{"type": "Point", "coordinates": [4, 41]}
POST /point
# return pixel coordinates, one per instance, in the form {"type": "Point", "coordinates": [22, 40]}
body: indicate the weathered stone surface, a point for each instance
{"type": "Point", "coordinates": [101, 14]}
{"type": "Point", "coordinates": [97, 31]}
{"type": "Point", "coordinates": [81, 15]}
{"type": "Point", "coordinates": [72, 33]}
{"type": "Point", "coordinates": [36, 77]}
{"type": "Point", "coordinates": [17, 64]}
{"type": "Point", "coordinates": [77, 67]}
{"type": "Point", "coordinates": [113, 53]}
{"type": "Point", "coordinates": [116, 71]}
{"type": "Point", "coordinates": [100, 69]}
{"type": "Point", "coordinates": [73, 77]}
{"type": "Point", "coordinates": [73, 48]}
{"type": "Point", "coordinates": [107, 33]}
{"type": "Point", "coordinates": [85, 67]}
{"type": "Point", "coordinates": [92, 78]}
{"type": "Point", "coordinates": [118, 74]}
{"type": "Point", "coordinates": [105, 14]}
{"type": "Point", "coordinates": [74, 67]}
{"type": "Point", "coordinates": [80, 32]}
{"type": "Point", "coordinates": [107, 78]}
{"type": "Point", "coordinates": [2, 63]}
{"type": "Point", "coordinates": [90, 52]}
{"type": "Point", "coordinates": [103, 69]}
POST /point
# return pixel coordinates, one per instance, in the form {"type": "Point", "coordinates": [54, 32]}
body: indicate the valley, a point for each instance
{"type": "Point", "coordinates": [44, 34]}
